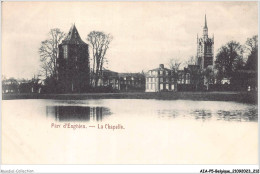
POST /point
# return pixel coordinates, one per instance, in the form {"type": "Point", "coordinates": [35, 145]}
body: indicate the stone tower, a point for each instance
{"type": "Point", "coordinates": [73, 64]}
{"type": "Point", "coordinates": [205, 48]}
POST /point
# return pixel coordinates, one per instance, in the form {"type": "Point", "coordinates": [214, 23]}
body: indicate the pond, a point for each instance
{"type": "Point", "coordinates": [129, 131]}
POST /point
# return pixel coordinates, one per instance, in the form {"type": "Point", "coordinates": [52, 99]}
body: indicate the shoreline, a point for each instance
{"type": "Point", "coordinates": [244, 97]}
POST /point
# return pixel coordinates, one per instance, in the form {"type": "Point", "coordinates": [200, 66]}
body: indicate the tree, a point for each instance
{"type": "Point", "coordinates": [208, 74]}
{"type": "Point", "coordinates": [190, 61]}
{"type": "Point", "coordinates": [229, 58]}
{"type": "Point", "coordinates": [196, 76]}
{"type": "Point", "coordinates": [99, 41]}
{"type": "Point", "coordinates": [252, 48]}
{"type": "Point", "coordinates": [174, 64]}
{"type": "Point", "coordinates": [49, 52]}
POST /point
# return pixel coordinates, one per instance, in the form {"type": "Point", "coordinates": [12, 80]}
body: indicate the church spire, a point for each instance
{"type": "Point", "coordinates": [205, 26]}
{"type": "Point", "coordinates": [205, 29]}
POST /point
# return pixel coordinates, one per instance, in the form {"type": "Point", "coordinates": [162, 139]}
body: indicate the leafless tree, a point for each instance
{"type": "Point", "coordinates": [49, 52]}
{"type": "Point", "coordinates": [174, 64]}
{"type": "Point", "coordinates": [190, 61]}
{"type": "Point", "coordinates": [252, 51]}
{"type": "Point", "coordinates": [99, 42]}
{"type": "Point", "coordinates": [252, 44]}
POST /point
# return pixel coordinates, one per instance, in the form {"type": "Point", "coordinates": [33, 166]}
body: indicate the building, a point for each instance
{"type": "Point", "coordinates": [73, 64]}
{"type": "Point", "coordinates": [10, 86]}
{"type": "Point", "coordinates": [205, 49]}
{"type": "Point", "coordinates": [160, 79]}
{"type": "Point", "coordinates": [122, 81]}
{"type": "Point", "coordinates": [163, 79]}
{"type": "Point", "coordinates": [109, 78]}
{"type": "Point", "coordinates": [131, 82]}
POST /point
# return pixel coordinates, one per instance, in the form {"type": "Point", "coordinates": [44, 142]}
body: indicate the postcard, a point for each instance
{"type": "Point", "coordinates": [146, 83]}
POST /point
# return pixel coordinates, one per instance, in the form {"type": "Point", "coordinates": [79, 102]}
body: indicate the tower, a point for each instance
{"type": "Point", "coordinates": [73, 64]}
{"type": "Point", "coordinates": [205, 48]}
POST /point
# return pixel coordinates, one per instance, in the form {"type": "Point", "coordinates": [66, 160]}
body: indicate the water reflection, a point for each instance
{"type": "Point", "coordinates": [238, 115]}
{"type": "Point", "coordinates": [77, 113]}
{"type": "Point", "coordinates": [202, 114]}
{"type": "Point", "coordinates": [250, 114]}
{"type": "Point", "coordinates": [232, 115]}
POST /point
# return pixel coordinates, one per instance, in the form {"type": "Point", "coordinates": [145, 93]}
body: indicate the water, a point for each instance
{"type": "Point", "coordinates": [128, 131]}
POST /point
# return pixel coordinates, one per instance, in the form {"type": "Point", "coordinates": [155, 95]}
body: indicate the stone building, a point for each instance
{"type": "Point", "coordinates": [160, 79]}
{"type": "Point", "coordinates": [205, 48]}
{"type": "Point", "coordinates": [163, 79]}
{"type": "Point", "coordinates": [73, 64]}
{"type": "Point", "coordinates": [109, 78]}
{"type": "Point", "coordinates": [131, 82]}
{"type": "Point", "coordinates": [122, 81]}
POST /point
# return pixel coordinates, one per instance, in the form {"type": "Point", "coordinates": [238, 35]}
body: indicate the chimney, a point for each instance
{"type": "Point", "coordinates": [161, 66]}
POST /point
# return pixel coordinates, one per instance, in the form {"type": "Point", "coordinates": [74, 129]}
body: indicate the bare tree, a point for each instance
{"type": "Point", "coordinates": [190, 61]}
{"type": "Point", "coordinates": [99, 41]}
{"type": "Point", "coordinates": [49, 52]}
{"type": "Point", "coordinates": [252, 50]}
{"type": "Point", "coordinates": [174, 64]}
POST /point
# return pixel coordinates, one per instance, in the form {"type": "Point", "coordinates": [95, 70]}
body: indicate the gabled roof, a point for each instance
{"type": "Point", "coordinates": [73, 37]}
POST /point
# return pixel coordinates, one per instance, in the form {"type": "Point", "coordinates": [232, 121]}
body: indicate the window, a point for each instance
{"type": "Point", "coordinates": [209, 49]}
{"type": "Point", "coordinates": [187, 78]}
{"type": "Point", "coordinates": [167, 86]}
{"type": "Point", "coordinates": [161, 79]}
{"type": "Point", "coordinates": [166, 72]}
{"type": "Point", "coordinates": [161, 86]}
{"type": "Point", "coordinates": [65, 51]}
{"type": "Point", "coordinates": [172, 87]}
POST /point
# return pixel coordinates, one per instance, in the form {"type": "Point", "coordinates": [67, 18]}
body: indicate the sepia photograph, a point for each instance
{"type": "Point", "coordinates": [140, 83]}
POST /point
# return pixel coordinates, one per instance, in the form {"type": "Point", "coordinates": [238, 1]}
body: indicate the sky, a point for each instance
{"type": "Point", "coordinates": [145, 34]}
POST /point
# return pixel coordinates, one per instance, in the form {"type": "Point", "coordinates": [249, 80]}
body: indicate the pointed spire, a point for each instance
{"type": "Point", "coordinates": [205, 22]}
{"type": "Point", "coordinates": [73, 36]}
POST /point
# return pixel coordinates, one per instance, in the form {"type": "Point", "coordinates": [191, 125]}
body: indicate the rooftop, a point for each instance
{"type": "Point", "coordinates": [73, 37]}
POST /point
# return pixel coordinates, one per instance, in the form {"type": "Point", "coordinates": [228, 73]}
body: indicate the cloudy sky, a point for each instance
{"type": "Point", "coordinates": [145, 33]}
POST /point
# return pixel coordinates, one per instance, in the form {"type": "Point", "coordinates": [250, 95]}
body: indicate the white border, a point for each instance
{"type": "Point", "coordinates": [119, 168]}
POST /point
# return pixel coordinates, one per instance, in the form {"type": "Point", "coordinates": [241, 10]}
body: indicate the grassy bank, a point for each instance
{"type": "Point", "coordinates": [245, 97]}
